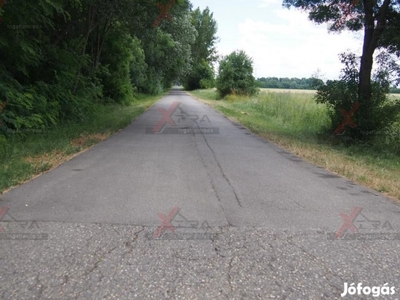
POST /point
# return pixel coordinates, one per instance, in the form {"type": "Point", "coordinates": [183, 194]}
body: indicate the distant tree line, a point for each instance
{"type": "Point", "coordinates": [297, 83]}
{"type": "Point", "coordinates": [288, 83]}
{"type": "Point", "coordinates": [395, 90]}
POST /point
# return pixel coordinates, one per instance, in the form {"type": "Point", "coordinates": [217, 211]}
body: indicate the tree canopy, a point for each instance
{"type": "Point", "coordinates": [204, 52]}
{"type": "Point", "coordinates": [235, 75]}
{"type": "Point", "coordinates": [379, 20]}
{"type": "Point", "coordinates": [61, 58]}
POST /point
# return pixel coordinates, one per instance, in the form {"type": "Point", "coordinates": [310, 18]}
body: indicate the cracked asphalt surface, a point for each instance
{"type": "Point", "coordinates": [185, 213]}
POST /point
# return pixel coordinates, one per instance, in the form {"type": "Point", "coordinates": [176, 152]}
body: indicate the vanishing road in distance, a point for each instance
{"type": "Point", "coordinates": [186, 204]}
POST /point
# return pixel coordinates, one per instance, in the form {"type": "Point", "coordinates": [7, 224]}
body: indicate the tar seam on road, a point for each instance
{"type": "Point", "coordinates": [214, 188]}
{"type": "Point", "coordinates": [221, 169]}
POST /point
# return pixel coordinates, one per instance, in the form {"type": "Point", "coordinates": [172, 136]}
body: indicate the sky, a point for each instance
{"type": "Point", "coordinates": [282, 42]}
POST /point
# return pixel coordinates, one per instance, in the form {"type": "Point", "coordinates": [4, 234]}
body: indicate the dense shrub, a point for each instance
{"type": "Point", "coordinates": [200, 77]}
{"type": "Point", "coordinates": [342, 97]}
{"type": "Point", "coordinates": [235, 75]}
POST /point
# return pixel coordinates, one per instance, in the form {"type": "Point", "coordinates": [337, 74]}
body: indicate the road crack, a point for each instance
{"type": "Point", "coordinates": [100, 260]}
{"type": "Point", "coordinates": [221, 171]}
{"type": "Point", "coordinates": [319, 262]}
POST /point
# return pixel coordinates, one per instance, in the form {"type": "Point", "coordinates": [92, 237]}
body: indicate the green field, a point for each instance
{"type": "Point", "coordinates": [296, 122]}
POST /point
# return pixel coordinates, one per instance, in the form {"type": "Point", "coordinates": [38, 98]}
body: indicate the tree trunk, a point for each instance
{"type": "Point", "coordinates": [372, 34]}
{"type": "Point", "coordinates": [100, 42]}
{"type": "Point", "coordinates": [92, 10]}
{"type": "Point", "coordinates": [364, 88]}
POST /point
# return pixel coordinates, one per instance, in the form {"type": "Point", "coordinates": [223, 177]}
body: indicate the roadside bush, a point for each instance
{"type": "Point", "coordinates": [207, 83]}
{"type": "Point", "coordinates": [200, 77]}
{"type": "Point", "coordinates": [364, 120]}
{"type": "Point", "coordinates": [235, 75]}
{"type": "Point", "coordinates": [118, 57]}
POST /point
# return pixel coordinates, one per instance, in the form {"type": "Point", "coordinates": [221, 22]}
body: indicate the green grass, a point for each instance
{"type": "Point", "coordinates": [290, 114]}
{"type": "Point", "coordinates": [295, 122]}
{"type": "Point", "coordinates": [22, 156]}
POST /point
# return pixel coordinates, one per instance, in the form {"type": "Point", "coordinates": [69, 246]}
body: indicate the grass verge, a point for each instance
{"type": "Point", "coordinates": [26, 155]}
{"type": "Point", "coordinates": [295, 122]}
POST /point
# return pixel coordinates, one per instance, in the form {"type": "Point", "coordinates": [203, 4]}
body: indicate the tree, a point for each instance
{"type": "Point", "coordinates": [180, 56]}
{"type": "Point", "coordinates": [66, 57]}
{"type": "Point", "coordinates": [203, 47]}
{"type": "Point", "coordinates": [235, 75]}
{"type": "Point", "coordinates": [200, 77]}
{"type": "Point", "coordinates": [378, 18]}
{"type": "Point", "coordinates": [348, 120]}
{"type": "Point", "coordinates": [203, 50]}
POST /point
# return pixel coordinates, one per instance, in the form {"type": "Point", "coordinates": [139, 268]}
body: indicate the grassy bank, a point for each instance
{"type": "Point", "coordinates": [295, 122]}
{"type": "Point", "coordinates": [27, 154]}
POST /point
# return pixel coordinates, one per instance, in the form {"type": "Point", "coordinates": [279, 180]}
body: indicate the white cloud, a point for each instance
{"type": "Point", "coordinates": [293, 46]}
{"type": "Point", "coordinates": [268, 3]}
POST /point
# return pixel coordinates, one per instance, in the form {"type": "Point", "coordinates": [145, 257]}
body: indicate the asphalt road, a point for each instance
{"type": "Point", "coordinates": [185, 204]}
